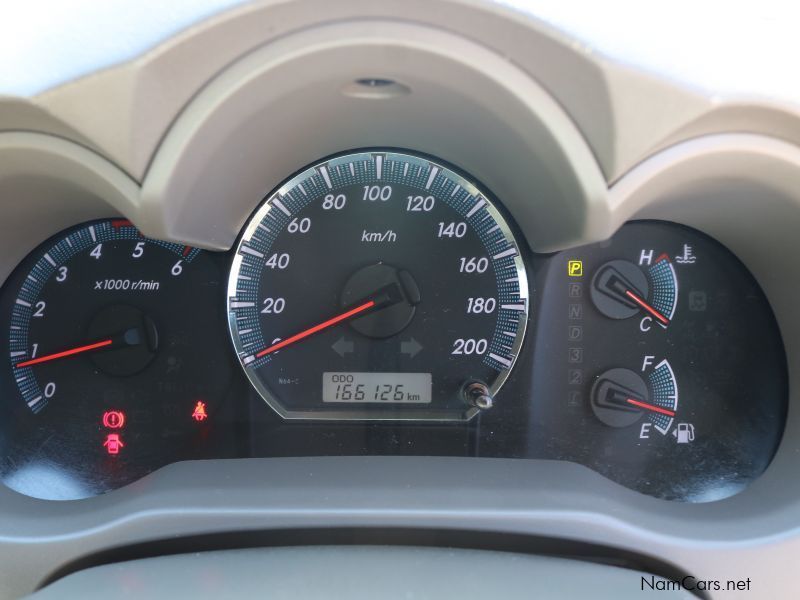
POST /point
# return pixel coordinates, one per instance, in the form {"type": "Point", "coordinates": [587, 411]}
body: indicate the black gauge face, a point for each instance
{"type": "Point", "coordinates": [107, 369]}
{"type": "Point", "coordinates": [670, 375]}
{"type": "Point", "coordinates": [378, 285]}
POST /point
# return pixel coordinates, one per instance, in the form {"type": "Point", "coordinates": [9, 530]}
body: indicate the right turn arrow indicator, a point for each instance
{"type": "Point", "coordinates": [412, 347]}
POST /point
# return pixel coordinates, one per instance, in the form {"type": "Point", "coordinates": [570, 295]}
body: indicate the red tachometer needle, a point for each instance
{"type": "Point", "coordinates": [317, 328]}
{"type": "Point", "coordinates": [63, 354]}
{"type": "Point", "coordinates": [651, 407]}
{"type": "Point", "coordinates": [646, 307]}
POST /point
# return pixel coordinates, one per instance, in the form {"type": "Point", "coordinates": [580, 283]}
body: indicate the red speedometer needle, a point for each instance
{"type": "Point", "coordinates": [651, 407]}
{"type": "Point", "coordinates": [646, 307]}
{"type": "Point", "coordinates": [64, 354]}
{"type": "Point", "coordinates": [317, 328]}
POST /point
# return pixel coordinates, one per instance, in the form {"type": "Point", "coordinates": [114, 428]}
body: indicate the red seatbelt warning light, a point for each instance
{"type": "Point", "coordinates": [200, 413]}
{"type": "Point", "coordinates": [114, 419]}
{"type": "Point", "coordinates": [113, 444]}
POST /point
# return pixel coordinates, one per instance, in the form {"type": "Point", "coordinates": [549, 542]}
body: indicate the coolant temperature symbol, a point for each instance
{"type": "Point", "coordinates": [687, 258]}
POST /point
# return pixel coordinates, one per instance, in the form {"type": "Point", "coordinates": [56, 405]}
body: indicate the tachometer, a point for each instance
{"type": "Point", "coordinates": [378, 285]}
{"type": "Point", "coordinates": [107, 375]}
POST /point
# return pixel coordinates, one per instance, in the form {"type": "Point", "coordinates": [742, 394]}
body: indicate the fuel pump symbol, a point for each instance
{"type": "Point", "coordinates": [684, 433]}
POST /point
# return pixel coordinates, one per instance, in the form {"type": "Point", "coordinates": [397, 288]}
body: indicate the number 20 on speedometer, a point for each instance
{"type": "Point", "coordinates": [378, 285]}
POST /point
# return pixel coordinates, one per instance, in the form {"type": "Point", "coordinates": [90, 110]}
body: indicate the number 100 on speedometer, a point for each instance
{"type": "Point", "coordinates": [385, 271]}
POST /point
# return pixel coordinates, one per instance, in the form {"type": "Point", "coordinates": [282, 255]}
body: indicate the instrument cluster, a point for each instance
{"type": "Point", "coordinates": [384, 303]}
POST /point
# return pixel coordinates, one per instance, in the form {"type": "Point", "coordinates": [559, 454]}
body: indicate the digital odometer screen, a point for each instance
{"type": "Point", "coordinates": [413, 270]}
{"type": "Point", "coordinates": [400, 388]}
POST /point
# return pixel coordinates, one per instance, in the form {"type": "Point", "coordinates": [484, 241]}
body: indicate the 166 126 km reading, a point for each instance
{"type": "Point", "coordinates": [378, 285]}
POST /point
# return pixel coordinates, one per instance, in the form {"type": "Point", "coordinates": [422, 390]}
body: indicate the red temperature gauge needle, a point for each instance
{"type": "Point", "coordinates": [646, 307]}
{"type": "Point", "coordinates": [63, 354]}
{"type": "Point", "coordinates": [317, 328]}
{"type": "Point", "coordinates": [651, 407]}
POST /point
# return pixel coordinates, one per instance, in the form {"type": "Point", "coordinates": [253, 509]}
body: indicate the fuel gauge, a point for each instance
{"type": "Point", "coordinates": [658, 363]}
{"type": "Point", "coordinates": [622, 397]}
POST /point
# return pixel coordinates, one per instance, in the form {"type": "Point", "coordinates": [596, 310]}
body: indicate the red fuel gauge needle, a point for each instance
{"type": "Point", "coordinates": [647, 308]}
{"type": "Point", "coordinates": [317, 328]}
{"type": "Point", "coordinates": [651, 407]}
{"type": "Point", "coordinates": [64, 354]}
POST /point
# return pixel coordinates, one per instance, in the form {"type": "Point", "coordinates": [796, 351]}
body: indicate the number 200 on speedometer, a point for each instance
{"type": "Point", "coordinates": [378, 285]}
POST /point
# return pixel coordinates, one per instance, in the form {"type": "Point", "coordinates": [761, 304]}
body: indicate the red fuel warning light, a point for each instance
{"type": "Point", "coordinates": [113, 443]}
{"type": "Point", "coordinates": [200, 413]}
{"type": "Point", "coordinates": [114, 419]}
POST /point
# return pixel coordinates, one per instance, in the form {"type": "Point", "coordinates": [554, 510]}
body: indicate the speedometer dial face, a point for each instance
{"type": "Point", "coordinates": [378, 285]}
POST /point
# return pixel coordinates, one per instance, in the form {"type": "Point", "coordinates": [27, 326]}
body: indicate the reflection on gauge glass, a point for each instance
{"type": "Point", "coordinates": [107, 370]}
{"type": "Point", "coordinates": [669, 364]}
{"type": "Point", "coordinates": [378, 285]}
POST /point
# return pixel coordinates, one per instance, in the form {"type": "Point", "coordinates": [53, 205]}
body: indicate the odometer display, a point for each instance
{"type": "Point", "coordinates": [378, 262]}
{"type": "Point", "coordinates": [412, 388]}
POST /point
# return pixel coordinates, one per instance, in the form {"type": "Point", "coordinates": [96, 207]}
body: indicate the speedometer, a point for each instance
{"type": "Point", "coordinates": [378, 285]}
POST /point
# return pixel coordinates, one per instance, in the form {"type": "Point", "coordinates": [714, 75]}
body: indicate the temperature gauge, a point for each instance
{"type": "Point", "coordinates": [645, 365]}
{"type": "Point", "coordinates": [620, 290]}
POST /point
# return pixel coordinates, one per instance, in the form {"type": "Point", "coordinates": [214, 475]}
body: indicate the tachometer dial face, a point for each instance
{"type": "Point", "coordinates": [106, 368]}
{"type": "Point", "coordinates": [378, 285]}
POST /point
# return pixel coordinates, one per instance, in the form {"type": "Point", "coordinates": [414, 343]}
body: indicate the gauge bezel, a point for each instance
{"type": "Point", "coordinates": [474, 188]}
